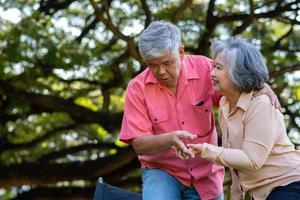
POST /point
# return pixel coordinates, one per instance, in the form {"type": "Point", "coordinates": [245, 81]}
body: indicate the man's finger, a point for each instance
{"type": "Point", "coordinates": [185, 135]}
{"type": "Point", "coordinates": [182, 156]}
{"type": "Point", "coordinates": [178, 153]}
{"type": "Point", "coordinates": [273, 100]}
{"type": "Point", "coordinates": [186, 151]}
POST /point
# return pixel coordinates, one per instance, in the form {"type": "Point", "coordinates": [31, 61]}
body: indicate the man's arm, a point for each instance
{"type": "Point", "coordinates": [153, 144]}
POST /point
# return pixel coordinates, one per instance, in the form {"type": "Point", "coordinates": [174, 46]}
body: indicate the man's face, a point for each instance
{"type": "Point", "coordinates": [166, 69]}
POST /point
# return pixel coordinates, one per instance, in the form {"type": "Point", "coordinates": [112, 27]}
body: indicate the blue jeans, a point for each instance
{"type": "Point", "coordinates": [159, 185]}
{"type": "Point", "coordinates": [288, 192]}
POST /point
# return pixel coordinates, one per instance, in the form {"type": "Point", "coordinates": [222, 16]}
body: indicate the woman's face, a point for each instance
{"type": "Point", "coordinates": [220, 78]}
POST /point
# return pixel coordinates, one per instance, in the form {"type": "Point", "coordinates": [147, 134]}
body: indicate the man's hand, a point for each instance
{"type": "Point", "coordinates": [178, 145]}
{"type": "Point", "coordinates": [153, 144]}
{"type": "Point", "coordinates": [270, 93]}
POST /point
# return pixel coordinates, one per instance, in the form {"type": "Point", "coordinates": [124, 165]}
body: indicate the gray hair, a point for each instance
{"type": "Point", "coordinates": [159, 38]}
{"type": "Point", "coordinates": [246, 67]}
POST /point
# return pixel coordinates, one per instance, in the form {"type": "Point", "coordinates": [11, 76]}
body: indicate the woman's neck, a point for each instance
{"type": "Point", "coordinates": [233, 99]}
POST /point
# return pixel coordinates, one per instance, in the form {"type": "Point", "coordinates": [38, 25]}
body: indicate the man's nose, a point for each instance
{"type": "Point", "coordinates": [161, 70]}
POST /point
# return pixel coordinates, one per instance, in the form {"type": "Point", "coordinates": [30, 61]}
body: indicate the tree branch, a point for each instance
{"type": "Point", "coordinates": [180, 10]}
{"type": "Point", "coordinates": [7, 146]}
{"type": "Point", "coordinates": [126, 169]}
{"type": "Point", "coordinates": [63, 152]}
{"type": "Point", "coordinates": [270, 14]}
{"type": "Point", "coordinates": [85, 31]}
{"type": "Point", "coordinates": [80, 114]}
{"type": "Point", "coordinates": [246, 23]}
{"type": "Point", "coordinates": [46, 173]}
{"type": "Point", "coordinates": [212, 21]}
{"type": "Point", "coordinates": [52, 6]}
{"type": "Point", "coordinates": [100, 17]}
{"type": "Point", "coordinates": [108, 23]}
{"type": "Point", "coordinates": [241, 28]}
{"type": "Point", "coordinates": [282, 70]}
{"type": "Point", "coordinates": [147, 12]}
{"type": "Point", "coordinates": [277, 43]}
{"type": "Point", "coordinates": [210, 25]}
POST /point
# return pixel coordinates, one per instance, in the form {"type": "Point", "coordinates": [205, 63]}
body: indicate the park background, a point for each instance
{"type": "Point", "coordinates": [64, 67]}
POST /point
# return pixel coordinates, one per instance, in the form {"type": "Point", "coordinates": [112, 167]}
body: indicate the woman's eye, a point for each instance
{"type": "Point", "coordinates": [218, 67]}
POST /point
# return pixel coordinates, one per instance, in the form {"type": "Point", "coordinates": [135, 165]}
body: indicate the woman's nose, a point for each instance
{"type": "Point", "coordinates": [212, 73]}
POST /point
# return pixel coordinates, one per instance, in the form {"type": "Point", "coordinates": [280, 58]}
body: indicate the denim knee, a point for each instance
{"type": "Point", "coordinates": [159, 185]}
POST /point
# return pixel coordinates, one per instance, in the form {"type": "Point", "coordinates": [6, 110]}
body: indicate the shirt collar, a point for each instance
{"type": "Point", "coordinates": [150, 78]}
{"type": "Point", "coordinates": [243, 101]}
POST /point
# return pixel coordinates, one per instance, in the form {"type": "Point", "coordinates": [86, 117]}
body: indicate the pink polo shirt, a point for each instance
{"type": "Point", "coordinates": [150, 108]}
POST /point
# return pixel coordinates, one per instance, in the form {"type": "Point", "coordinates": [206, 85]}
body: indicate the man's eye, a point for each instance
{"type": "Point", "coordinates": [168, 63]}
{"type": "Point", "coordinates": [152, 66]}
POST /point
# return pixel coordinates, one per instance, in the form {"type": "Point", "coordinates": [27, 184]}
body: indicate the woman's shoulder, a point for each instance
{"type": "Point", "coordinates": [262, 104]}
{"type": "Point", "coordinates": [261, 99]}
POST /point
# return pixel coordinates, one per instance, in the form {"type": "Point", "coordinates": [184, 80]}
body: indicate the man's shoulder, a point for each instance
{"type": "Point", "coordinates": [198, 58]}
{"type": "Point", "coordinates": [139, 80]}
{"type": "Point", "coordinates": [198, 62]}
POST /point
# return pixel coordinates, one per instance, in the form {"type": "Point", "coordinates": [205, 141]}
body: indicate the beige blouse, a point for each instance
{"type": "Point", "coordinates": [256, 147]}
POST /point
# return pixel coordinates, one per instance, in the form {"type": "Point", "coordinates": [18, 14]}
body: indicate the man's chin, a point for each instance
{"type": "Point", "coordinates": [165, 82]}
{"type": "Point", "coordinates": [169, 83]}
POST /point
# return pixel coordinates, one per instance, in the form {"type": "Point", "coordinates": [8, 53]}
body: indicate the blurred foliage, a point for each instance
{"type": "Point", "coordinates": [64, 69]}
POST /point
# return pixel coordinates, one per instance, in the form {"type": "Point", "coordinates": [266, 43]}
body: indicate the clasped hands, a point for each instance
{"type": "Point", "coordinates": [182, 150]}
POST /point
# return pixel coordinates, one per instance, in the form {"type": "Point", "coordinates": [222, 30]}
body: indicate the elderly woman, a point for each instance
{"type": "Point", "coordinates": [256, 148]}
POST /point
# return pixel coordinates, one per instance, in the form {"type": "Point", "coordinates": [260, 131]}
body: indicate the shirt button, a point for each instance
{"type": "Point", "coordinates": [155, 119]}
{"type": "Point", "coordinates": [182, 122]}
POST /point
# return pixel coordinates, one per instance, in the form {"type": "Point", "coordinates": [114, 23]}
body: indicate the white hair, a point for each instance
{"type": "Point", "coordinates": [159, 38]}
{"type": "Point", "coordinates": [246, 66]}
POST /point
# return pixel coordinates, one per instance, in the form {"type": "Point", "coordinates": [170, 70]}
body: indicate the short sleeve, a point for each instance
{"type": "Point", "coordinates": [135, 121]}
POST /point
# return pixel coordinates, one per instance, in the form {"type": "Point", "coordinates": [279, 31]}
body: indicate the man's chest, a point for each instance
{"type": "Point", "coordinates": [190, 109]}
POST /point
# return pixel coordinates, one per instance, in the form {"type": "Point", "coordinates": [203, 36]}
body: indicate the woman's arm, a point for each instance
{"type": "Point", "coordinates": [262, 125]}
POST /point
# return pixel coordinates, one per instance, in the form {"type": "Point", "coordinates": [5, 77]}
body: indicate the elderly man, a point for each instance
{"type": "Point", "coordinates": [169, 104]}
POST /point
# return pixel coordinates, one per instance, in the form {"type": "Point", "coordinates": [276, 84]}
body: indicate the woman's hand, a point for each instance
{"type": "Point", "coordinates": [196, 149]}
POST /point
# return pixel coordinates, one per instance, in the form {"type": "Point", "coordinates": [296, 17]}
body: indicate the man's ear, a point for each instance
{"type": "Point", "coordinates": [181, 52]}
